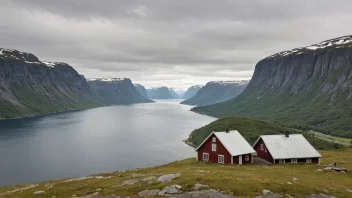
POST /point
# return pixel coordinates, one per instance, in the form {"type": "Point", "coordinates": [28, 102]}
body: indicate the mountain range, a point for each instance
{"type": "Point", "coordinates": [31, 87]}
{"type": "Point", "coordinates": [162, 93]}
{"type": "Point", "coordinates": [308, 88]}
{"type": "Point", "coordinates": [215, 92]}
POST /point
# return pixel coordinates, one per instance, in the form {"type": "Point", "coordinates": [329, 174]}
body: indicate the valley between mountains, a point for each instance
{"type": "Point", "coordinates": [304, 88]}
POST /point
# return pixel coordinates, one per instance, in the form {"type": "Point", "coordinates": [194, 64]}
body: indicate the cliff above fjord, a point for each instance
{"type": "Point", "coordinates": [30, 87]}
{"type": "Point", "coordinates": [308, 87]}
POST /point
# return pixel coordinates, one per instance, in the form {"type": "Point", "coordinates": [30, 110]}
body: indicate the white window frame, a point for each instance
{"type": "Point", "coordinates": [203, 158]}
{"type": "Point", "coordinates": [247, 158]}
{"type": "Point", "coordinates": [282, 161]}
{"type": "Point", "coordinates": [213, 139]}
{"type": "Point", "coordinates": [213, 147]}
{"type": "Point", "coordinates": [262, 147]}
{"type": "Point", "coordinates": [294, 160]}
{"type": "Point", "coordinates": [309, 160]}
{"type": "Point", "coordinates": [223, 159]}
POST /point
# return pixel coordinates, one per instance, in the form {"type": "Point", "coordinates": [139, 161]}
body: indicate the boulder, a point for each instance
{"type": "Point", "coordinates": [265, 192]}
{"type": "Point", "coordinates": [38, 192]}
{"type": "Point", "coordinates": [168, 177]}
{"type": "Point", "coordinates": [169, 190]}
{"type": "Point", "coordinates": [129, 182]}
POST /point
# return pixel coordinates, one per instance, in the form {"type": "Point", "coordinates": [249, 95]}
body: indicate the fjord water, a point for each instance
{"type": "Point", "coordinates": [104, 139]}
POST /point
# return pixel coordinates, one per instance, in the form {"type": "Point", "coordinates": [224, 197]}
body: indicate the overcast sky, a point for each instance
{"type": "Point", "coordinates": [176, 43]}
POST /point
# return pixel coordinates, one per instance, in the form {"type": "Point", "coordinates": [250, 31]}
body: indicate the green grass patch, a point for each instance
{"type": "Point", "coordinates": [243, 181]}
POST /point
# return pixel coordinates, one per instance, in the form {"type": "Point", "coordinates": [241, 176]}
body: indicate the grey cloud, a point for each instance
{"type": "Point", "coordinates": [166, 42]}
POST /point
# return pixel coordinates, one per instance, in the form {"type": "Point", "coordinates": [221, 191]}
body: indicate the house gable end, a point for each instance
{"type": "Point", "coordinates": [206, 139]}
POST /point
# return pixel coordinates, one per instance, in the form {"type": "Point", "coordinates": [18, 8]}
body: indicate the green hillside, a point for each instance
{"type": "Point", "coordinates": [251, 129]}
{"type": "Point", "coordinates": [37, 100]}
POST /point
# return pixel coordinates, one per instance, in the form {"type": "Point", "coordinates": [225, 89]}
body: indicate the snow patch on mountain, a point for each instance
{"type": "Point", "coordinates": [229, 82]}
{"type": "Point", "coordinates": [107, 79]}
{"type": "Point", "coordinates": [26, 57]}
{"type": "Point", "coordinates": [49, 64]}
{"type": "Point", "coordinates": [337, 42]}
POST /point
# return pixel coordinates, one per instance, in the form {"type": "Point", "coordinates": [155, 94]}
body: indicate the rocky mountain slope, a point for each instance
{"type": "Point", "coordinates": [29, 86]}
{"type": "Point", "coordinates": [216, 91]}
{"type": "Point", "coordinates": [308, 87]}
{"type": "Point", "coordinates": [142, 90]}
{"type": "Point", "coordinates": [117, 91]}
{"type": "Point", "coordinates": [162, 93]}
{"type": "Point", "coordinates": [192, 91]}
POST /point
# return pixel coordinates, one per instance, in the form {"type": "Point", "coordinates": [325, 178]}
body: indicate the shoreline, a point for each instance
{"type": "Point", "coordinates": [73, 110]}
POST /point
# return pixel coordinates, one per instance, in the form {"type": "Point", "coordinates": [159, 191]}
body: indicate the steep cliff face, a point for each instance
{"type": "Point", "coordinates": [161, 93]}
{"type": "Point", "coordinates": [29, 86]}
{"type": "Point", "coordinates": [217, 91]}
{"type": "Point", "coordinates": [308, 87]}
{"type": "Point", "coordinates": [192, 91]}
{"type": "Point", "coordinates": [142, 90]}
{"type": "Point", "coordinates": [117, 91]}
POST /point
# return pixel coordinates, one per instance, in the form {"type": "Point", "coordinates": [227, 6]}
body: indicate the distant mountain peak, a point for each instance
{"type": "Point", "coordinates": [26, 57]}
{"type": "Point", "coordinates": [336, 42]}
{"type": "Point", "coordinates": [217, 91]}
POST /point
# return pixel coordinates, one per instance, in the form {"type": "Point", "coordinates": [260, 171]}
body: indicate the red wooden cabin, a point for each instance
{"type": "Point", "coordinates": [225, 148]}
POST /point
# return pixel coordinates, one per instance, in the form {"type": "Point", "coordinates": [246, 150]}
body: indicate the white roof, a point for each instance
{"type": "Point", "coordinates": [233, 141]}
{"type": "Point", "coordinates": [294, 146]}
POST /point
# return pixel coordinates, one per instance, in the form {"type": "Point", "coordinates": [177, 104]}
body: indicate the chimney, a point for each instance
{"type": "Point", "coordinates": [227, 130]}
{"type": "Point", "coordinates": [287, 134]}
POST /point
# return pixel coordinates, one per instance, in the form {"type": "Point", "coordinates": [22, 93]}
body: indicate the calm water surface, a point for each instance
{"type": "Point", "coordinates": [97, 140]}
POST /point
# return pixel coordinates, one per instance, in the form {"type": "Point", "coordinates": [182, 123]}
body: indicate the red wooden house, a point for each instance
{"type": "Point", "coordinates": [286, 148]}
{"type": "Point", "coordinates": [226, 148]}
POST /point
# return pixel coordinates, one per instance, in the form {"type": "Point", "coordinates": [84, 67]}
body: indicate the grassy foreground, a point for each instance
{"type": "Point", "coordinates": [243, 181]}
